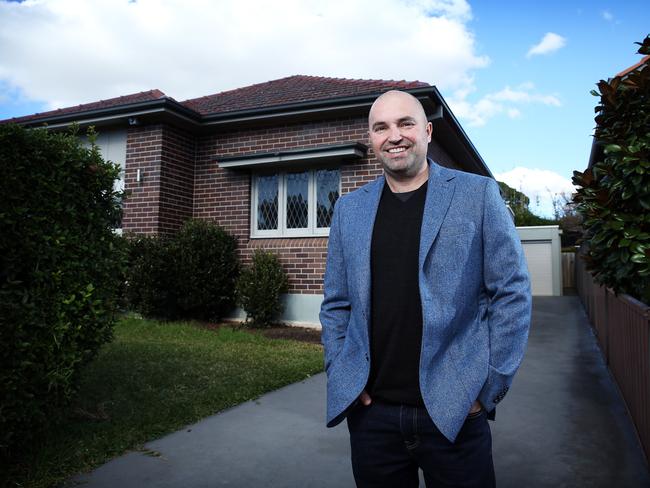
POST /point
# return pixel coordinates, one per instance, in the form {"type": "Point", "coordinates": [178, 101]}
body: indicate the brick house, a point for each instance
{"type": "Point", "coordinates": [266, 162]}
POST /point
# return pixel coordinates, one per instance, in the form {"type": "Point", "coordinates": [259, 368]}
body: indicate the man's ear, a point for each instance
{"type": "Point", "coordinates": [429, 130]}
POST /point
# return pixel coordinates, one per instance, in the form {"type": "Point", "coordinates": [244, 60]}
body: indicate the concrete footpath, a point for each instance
{"type": "Point", "coordinates": [563, 424]}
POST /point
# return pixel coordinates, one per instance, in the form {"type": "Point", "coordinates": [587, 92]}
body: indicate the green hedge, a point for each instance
{"type": "Point", "coordinates": [61, 267]}
{"type": "Point", "coordinates": [188, 275]}
{"type": "Point", "coordinates": [614, 194]}
{"type": "Point", "coordinates": [259, 288]}
{"type": "Point", "coordinates": [149, 280]}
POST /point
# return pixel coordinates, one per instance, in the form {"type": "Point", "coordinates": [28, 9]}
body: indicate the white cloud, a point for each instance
{"type": "Point", "coordinates": [607, 15]}
{"type": "Point", "coordinates": [503, 101]}
{"type": "Point", "coordinates": [459, 10]}
{"type": "Point", "coordinates": [540, 185]}
{"type": "Point", "coordinates": [522, 95]}
{"type": "Point", "coordinates": [75, 51]}
{"type": "Point", "coordinates": [550, 43]}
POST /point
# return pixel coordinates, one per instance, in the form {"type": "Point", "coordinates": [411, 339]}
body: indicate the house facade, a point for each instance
{"type": "Point", "coordinates": [267, 162]}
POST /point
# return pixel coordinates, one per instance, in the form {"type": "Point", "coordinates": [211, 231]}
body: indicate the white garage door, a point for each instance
{"type": "Point", "coordinates": [538, 255]}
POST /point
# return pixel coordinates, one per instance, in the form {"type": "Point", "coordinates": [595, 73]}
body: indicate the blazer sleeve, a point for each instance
{"type": "Point", "coordinates": [335, 309]}
{"type": "Point", "coordinates": [507, 283]}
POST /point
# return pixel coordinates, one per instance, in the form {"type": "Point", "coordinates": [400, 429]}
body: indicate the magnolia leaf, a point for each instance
{"type": "Point", "coordinates": [616, 225]}
{"type": "Point", "coordinates": [638, 248]}
{"type": "Point", "coordinates": [645, 46]}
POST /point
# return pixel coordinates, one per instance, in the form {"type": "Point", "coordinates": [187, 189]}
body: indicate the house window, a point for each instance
{"type": "Point", "coordinates": [294, 203]}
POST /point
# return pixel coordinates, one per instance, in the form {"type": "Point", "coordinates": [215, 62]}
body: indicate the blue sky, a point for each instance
{"type": "Point", "coordinates": [599, 43]}
{"type": "Point", "coordinates": [527, 110]}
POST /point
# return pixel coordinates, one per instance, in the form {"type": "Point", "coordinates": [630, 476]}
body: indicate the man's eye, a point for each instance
{"type": "Point", "coordinates": [407, 124]}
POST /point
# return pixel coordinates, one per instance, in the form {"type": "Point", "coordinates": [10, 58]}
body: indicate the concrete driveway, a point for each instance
{"type": "Point", "coordinates": [563, 424]}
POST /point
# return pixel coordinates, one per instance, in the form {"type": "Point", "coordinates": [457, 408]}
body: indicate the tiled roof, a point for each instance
{"type": "Point", "coordinates": [111, 102]}
{"type": "Point", "coordinates": [292, 89]}
{"type": "Point", "coordinates": [644, 60]}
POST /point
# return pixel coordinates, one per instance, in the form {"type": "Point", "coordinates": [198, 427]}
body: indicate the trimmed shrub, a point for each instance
{"type": "Point", "coordinates": [188, 275]}
{"type": "Point", "coordinates": [61, 266]}
{"type": "Point", "coordinates": [207, 266]}
{"type": "Point", "coordinates": [150, 279]}
{"type": "Point", "coordinates": [259, 288]}
{"type": "Point", "coordinates": [614, 194]}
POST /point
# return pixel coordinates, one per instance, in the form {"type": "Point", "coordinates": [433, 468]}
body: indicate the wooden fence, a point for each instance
{"type": "Point", "coordinates": [568, 269]}
{"type": "Point", "coordinates": [622, 326]}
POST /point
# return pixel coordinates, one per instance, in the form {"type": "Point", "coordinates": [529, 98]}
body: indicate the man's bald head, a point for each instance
{"type": "Point", "coordinates": [398, 96]}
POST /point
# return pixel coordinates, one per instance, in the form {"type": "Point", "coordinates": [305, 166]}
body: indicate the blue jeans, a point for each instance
{"type": "Point", "coordinates": [390, 442]}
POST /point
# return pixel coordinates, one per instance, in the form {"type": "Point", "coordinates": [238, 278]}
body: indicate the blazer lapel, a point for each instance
{"type": "Point", "coordinates": [364, 223]}
{"type": "Point", "coordinates": [440, 190]}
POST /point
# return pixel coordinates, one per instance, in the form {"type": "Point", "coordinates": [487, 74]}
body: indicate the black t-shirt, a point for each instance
{"type": "Point", "coordinates": [396, 329]}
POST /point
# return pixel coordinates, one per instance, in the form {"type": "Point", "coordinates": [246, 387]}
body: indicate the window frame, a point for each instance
{"type": "Point", "coordinates": [282, 231]}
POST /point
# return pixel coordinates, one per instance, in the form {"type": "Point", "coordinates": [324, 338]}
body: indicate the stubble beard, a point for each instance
{"type": "Point", "coordinates": [403, 170]}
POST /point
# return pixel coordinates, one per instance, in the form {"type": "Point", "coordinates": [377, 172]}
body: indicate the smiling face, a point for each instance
{"type": "Point", "coordinates": [399, 134]}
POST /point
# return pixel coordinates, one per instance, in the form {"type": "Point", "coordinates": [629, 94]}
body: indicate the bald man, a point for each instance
{"type": "Point", "coordinates": [425, 314]}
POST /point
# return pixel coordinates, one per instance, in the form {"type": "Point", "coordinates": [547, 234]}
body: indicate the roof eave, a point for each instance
{"type": "Point", "coordinates": [454, 140]}
{"type": "Point", "coordinates": [127, 114]}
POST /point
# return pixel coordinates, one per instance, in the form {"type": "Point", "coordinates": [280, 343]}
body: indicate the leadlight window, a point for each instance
{"type": "Point", "coordinates": [294, 203]}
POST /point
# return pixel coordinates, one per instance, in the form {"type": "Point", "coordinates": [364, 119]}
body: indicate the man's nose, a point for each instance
{"type": "Point", "coordinates": [394, 135]}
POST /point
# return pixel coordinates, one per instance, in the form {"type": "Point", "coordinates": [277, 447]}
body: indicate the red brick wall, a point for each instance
{"type": "Point", "coordinates": [223, 195]}
{"type": "Point", "coordinates": [170, 160]}
{"type": "Point", "coordinates": [177, 179]}
{"type": "Point", "coordinates": [141, 205]}
{"type": "Point", "coordinates": [162, 200]}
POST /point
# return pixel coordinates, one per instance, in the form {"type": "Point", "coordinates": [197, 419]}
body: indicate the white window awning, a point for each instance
{"type": "Point", "coordinates": [316, 155]}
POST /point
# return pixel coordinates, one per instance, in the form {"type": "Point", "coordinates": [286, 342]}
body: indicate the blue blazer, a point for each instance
{"type": "Point", "coordinates": [474, 289]}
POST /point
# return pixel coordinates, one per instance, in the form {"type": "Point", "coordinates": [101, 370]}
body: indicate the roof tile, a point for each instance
{"type": "Point", "coordinates": [85, 107]}
{"type": "Point", "coordinates": [293, 89]}
{"type": "Point", "coordinates": [644, 61]}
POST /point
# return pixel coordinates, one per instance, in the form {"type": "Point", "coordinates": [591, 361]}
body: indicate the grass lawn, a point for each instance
{"type": "Point", "coordinates": [153, 379]}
